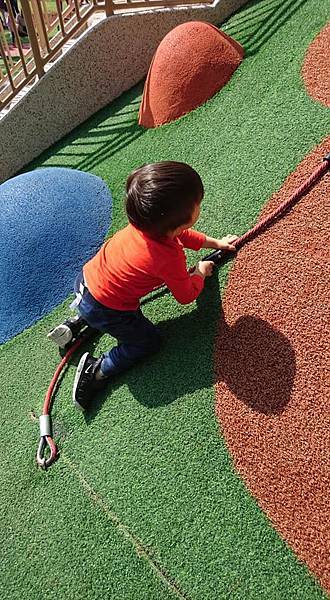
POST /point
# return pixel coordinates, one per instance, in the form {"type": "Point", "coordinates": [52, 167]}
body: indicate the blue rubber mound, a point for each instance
{"type": "Point", "coordinates": [51, 221]}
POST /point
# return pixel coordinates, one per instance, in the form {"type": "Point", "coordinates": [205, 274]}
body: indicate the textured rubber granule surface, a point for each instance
{"type": "Point", "coordinates": [316, 68]}
{"type": "Point", "coordinates": [190, 65]}
{"type": "Point", "coordinates": [271, 364]}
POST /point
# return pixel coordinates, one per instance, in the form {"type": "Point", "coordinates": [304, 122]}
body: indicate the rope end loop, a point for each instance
{"type": "Point", "coordinates": [46, 441]}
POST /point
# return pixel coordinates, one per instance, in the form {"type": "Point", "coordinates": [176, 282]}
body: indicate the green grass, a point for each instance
{"type": "Point", "coordinates": [144, 501]}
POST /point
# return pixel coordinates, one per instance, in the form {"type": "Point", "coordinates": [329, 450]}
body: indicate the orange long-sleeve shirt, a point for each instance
{"type": "Point", "coordinates": [131, 264]}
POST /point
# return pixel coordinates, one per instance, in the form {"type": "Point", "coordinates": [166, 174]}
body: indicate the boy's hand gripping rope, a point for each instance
{"type": "Point", "coordinates": [46, 439]}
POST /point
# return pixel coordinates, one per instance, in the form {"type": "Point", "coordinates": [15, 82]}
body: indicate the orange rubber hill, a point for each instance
{"type": "Point", "coordinates": [192, 63]}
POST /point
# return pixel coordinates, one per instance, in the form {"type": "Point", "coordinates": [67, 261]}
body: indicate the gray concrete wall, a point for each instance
{"type": "Point", "coordinates": [106, 61]}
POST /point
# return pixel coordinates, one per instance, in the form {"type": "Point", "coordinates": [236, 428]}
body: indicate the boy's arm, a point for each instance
{"type": "Point", "coordinates": [184, 286]}
{"type": "Point", "coordinates": [195, 240]}
{"type": "Point", "coordinates": [192, 239]}
{"type": "Point", "coordinates": [225, 243]}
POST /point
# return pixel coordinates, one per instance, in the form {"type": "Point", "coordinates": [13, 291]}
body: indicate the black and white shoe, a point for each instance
{"type": "Point", "coordinates": [85, 384]}
{"type": "Point", "coordinates": [64, 333]}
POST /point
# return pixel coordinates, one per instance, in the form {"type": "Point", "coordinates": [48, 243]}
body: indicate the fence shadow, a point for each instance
{"type": "Point", "coordinates": [258, 21]}
{"type": "Point", "coordinates": [100, 137]}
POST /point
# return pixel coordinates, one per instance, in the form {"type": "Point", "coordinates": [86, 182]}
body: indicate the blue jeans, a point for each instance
{"type": "Point", "coordinates": [137, 336]}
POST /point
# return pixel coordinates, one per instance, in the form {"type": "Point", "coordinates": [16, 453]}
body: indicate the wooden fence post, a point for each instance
{"type": "Point", "coordinates": [32, 37]}
{"type": "Point", "coordinates": [109, 8]}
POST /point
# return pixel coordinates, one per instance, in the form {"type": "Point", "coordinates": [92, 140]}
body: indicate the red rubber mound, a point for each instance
{"type": "Point", "coordinates": [190, 65]}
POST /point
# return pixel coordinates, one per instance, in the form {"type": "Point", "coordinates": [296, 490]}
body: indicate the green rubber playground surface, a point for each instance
{"type": "Point", "coordinates": [144, 502]}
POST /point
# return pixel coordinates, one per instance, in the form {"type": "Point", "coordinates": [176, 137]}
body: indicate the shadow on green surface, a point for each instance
{"type": "Point", "coordinates": [182, 371]}
{"type": "Point", "coordinates": [110, 130]}
{"type": "Point", "coordinates": [258, 21]}
{"type": "Point", "coordinates": [258, 363]}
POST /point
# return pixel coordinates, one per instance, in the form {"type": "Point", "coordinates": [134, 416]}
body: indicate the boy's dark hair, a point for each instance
{"type": "Point", "coordinates": [162, 196]}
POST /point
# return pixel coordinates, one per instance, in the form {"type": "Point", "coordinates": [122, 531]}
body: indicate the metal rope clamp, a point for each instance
{"type": "Point", "coordinates": [45, 424]}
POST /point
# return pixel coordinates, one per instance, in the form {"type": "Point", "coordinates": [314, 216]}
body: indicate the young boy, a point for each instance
{"type": "Point", "coordinates": [162, 204]}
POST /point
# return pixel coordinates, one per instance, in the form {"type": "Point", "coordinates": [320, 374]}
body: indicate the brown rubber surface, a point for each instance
{"type": "Point", "coordinates": [316, 67]}
{"type": "Point", "coordinates": [272, 368]}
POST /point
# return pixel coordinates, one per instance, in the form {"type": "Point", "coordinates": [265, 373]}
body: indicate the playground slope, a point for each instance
{"type": "Point", "coordinates": [272, 359]}
{"type": "Point", "coordinates": [147, 474]}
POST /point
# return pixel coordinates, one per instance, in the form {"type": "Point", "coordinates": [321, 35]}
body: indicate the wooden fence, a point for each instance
{"type": "Point", "coordinates": [33, 33]}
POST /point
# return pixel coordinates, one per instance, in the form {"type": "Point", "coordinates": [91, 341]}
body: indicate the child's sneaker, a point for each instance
{"type": "Point", "coordinates": [64, 333]}
{"type": "Point", "coordinates": [86, 384]}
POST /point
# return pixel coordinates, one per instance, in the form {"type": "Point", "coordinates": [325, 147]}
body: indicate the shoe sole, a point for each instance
{"type": "Point", "coordinates": [80, 368]}
{"type": "Point", "coordinates": [61, 335]}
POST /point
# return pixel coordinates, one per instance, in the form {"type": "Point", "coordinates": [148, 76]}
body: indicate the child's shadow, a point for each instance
{"type": "Point", "coordinates": [255, 361]}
